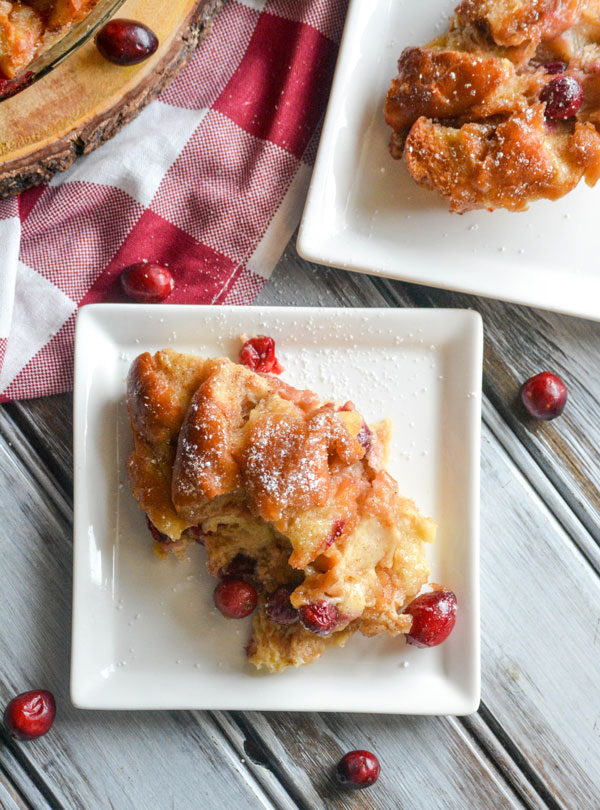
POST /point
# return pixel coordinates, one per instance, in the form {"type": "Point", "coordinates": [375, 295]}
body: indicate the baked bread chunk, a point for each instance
{"type": "Point", "coordinates": [504, 108]}
{"type": "Point", "coordinates": [29, 26]}
{"type": "Point", "coordinates": [283, 489]}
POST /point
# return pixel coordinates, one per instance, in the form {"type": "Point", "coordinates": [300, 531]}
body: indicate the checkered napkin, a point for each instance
{"type": "Point", "coordinates": [209, 180]}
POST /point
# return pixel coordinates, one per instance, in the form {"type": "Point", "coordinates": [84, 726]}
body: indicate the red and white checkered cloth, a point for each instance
{"type": "Point", "coordinates": [209, 180]}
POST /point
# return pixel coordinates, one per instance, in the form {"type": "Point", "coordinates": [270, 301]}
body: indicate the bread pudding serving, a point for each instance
{"type": "Point", "coordinates": [288, 495]}
{"type": "Point", "coordinates": [504, 108]}
{"type": "Point", "coordinates": [27, 27]}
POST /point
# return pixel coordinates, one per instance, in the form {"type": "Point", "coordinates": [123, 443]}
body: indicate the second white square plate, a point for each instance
{"type": "Point", "coordinates": [364, 212]}
{"type": "Point", "coordinates": [146, 634]}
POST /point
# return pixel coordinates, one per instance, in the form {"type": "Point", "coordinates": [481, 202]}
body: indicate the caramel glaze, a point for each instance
{"type": "Point", "coordinates": [466, 112]}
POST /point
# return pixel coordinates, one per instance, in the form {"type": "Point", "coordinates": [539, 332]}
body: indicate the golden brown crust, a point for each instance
{"type": "Point", "coordinates": [431, 83]}
{"type": "Point", "coordinates": [468, 114]}
{"type": "Point", "coordinates": [512, 22]}
{"type": "Point", "coordinates": [502, 166]}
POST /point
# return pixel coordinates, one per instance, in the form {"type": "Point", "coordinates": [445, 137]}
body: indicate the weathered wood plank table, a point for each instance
{"type": "Point", "coordinates": [535, 742]}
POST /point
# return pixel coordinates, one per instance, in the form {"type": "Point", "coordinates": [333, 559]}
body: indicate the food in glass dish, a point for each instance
{"type": "Point", "coordinates": [27, 28]}
{"type": "Point", "coordinates": [504, 108]}
{"type": "Point", "coordinates": [289, 496]}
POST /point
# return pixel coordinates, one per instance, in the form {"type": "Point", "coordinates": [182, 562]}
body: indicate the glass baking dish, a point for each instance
{"type": "Point", "coordinates": [59, 50]}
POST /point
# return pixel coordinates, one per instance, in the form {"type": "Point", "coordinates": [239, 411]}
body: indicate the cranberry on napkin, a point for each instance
{"type": "Point", "coordinates": [209, 180]}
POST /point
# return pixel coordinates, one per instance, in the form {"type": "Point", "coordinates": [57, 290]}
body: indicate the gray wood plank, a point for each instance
{"type": "Point", "coordinates": [18, 783]}
{"type": "Point", "coordinates": [426, 762]}
{"type": "Point", "coordinates": [577, 432]}
{"type": "Point", "coordinates": [540, 630]}
{"type": "Point", "coordinates": [519, 342]}
{"type": "Point", "coordinates": [48, 422]}
{"type": "Point", "coordinates": [90, 760]}
{"type": "Point", "coordinates": [9, 796]}
{"type": "Point", "coordinates": [531, 528]}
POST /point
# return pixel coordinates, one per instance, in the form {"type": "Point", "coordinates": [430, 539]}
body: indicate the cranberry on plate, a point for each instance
{"type": "Point", "coordinates": [30, 714]}
{"type": "Point", "coordinates": [235, 598]}
{"type": "Point", "coordinates": [357, 770]}
{"type": "Point", "coordinates": [147, 282]}
{"type": "Point", "coordinates": [544, 395]}
{"type": "Point", "coordinates": [319, 617]}
{"type": "Point", "coordinates": [433, 618]}
{"type": "Point", "coordinates": [364, 436]}
{"type": "Point", "coordinates": [279, 609]}
{"type": "Point", "coordinates": [158, 536]}
{"type": "Point", "coordinates": [126, 42]}
{"type": "Point", "coordinates": [555, 66]}
{"type": "Point", "coordinates": [258, 353]}
{"type": "Point", "coordinates": [240, 567]}
{"type": "Point", "coordinates": [563, 97]}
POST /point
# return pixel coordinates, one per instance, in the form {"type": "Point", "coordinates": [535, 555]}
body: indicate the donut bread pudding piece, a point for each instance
{"type": "Point", "coordinates": [469, 112]}
{"type": "Point", "coordinates": [26, 28]}
{"type": "Point", "coordinates": [292, 487]}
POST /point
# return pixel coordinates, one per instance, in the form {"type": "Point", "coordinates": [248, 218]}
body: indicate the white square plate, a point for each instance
{"type": "Point", "coordinates": [145, 632]}
{"type": "Point", "coordinates": [364, 212]}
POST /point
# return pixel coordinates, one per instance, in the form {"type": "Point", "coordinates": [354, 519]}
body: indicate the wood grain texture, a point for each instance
{"type": "Point", "coordinates": [519, 342]}
{"type": "Point", "coordinates": [534, 744]}
{"type": "Point", "coordinates": [86, 100]}
{"type": "Point", "coordinates": [9, 797]}
{"type": "Point", "coordinates": [90, 760]}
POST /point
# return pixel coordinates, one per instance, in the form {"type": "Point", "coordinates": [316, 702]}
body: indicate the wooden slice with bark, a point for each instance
{"type": "Point", "coordinates": [86, 100]}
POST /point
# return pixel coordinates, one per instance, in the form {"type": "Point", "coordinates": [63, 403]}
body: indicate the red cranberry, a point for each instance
{"type": "Point", "coordinates": [30, 714]}
{"type": "Point", "coordinates": [147, 282]}
{"type": "Point", "coordinates": [10, 87]}
{"type": "Point", "coordinates": [555, 66]}
{"type": "Point", "coordinates": [258, 353]}
{"type": "Point", "coordinates": [337, 529]}
{"type": "Point", "coordinates": [319, 617]}
{"type": "Point", "coordinates": [357, 770]}
{"type": "Point", "coordinates": [158, 536]}
{"type": "Point", "coordinates": [279, 609]}
{"type": "Point", "coordinates": [433, 618]}
{"type": "Point", "coordinates": [563, 97]}
{"type": "Point", "coordinates": [544, 395]}
{"type": "Point", "coordinates": [197, 534]}
{"type": "Point", "coordinates": [240, 567]}
{"type": "Point", "coordinates": [126, 42]}
{"type": "Point", "coordinates": [365, 436]}
{"type": "Point", "coordinates": [235, 598]}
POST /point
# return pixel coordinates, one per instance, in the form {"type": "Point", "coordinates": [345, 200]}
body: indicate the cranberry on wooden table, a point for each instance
{"type": "Point", "coordinates": [319, 617]}
{"type": "Point", "coordinates": [235, 598]}
{"type": "Point", "coordinates": [357, 770]}
{"type": "Point", "coordinates": [147, 282]}
{"type": "Point", "coordinates": [563, 97]}
{"type": "Point", "coordinates": [258, 353]}
{"type": "Point", "coordinates": [544, 396]}
{"type": "Point", "coordinates": [126, 42]}
{"type": "Point", "coordinates": [433, 618]}
{"type": "Point", "coordinates": [30, 714]}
